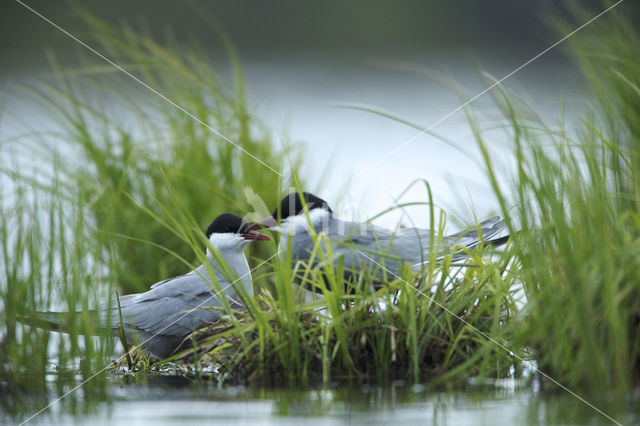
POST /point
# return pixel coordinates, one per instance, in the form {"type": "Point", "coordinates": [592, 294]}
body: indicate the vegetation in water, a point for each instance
{"type": "Point", "coordinates": [118, 193]}
{"type": "Point", "coordinates": [123, 199]}
{"type": "Point", "coordinates": [576, 220]}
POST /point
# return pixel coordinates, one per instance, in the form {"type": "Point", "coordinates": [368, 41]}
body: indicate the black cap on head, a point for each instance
{"type": "Point", "coordinates": [292, 205]}
{"type": "Point", "coordinates": [226, 223]}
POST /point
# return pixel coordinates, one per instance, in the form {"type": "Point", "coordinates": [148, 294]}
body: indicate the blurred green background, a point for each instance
{"type": "Point", "coordinates": [292, 26]}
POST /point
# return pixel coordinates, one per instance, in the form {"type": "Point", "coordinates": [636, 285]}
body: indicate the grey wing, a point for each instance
{"type": "Point", "coordinates": [412, 245]}
{"type": "Point", "coordinates": [489, 229]}
{"type": "Point", "coordinates": [159, 283]}
{"type": "Point", "coordinates": [366, 247]}
{"type": "Point", "coordinates": [175, 308]}
{"type": "Point", "coordinates": [485, 232]}
{"type": "Point", "coordinates": [352, 243]}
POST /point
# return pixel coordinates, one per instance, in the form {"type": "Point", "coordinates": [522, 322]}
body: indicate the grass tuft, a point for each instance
{"type": "Point", "coordinates": [110, 201]}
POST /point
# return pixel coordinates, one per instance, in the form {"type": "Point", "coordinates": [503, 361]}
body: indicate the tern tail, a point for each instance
{"type": "Point", "coordinates": [56, 321]}
{"type": "Point", "coordinates": [488, 230]}
{"type": "Point", "coordinates": [497, 242]}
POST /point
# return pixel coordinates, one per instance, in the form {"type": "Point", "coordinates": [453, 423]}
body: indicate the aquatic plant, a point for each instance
{"type": "Point", "coordinates": [421, 325]}
{"type": "Point", "coordinates": [576, 218]}
{"type": "Point", "coordinates": [575, 258]}
{"type": "Point", "coordinates": [118, 191]}
{"type": "Point", "coordinates": [120, 201]}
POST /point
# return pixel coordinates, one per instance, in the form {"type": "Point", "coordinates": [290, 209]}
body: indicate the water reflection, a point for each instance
{"type": "Point", "coordinates": [171, 399]}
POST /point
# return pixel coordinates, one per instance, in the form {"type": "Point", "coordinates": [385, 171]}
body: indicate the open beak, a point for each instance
{"type": "Point", "coordinates": [268, 222]}
{"type": "Point", "coordinates": [250, 234]}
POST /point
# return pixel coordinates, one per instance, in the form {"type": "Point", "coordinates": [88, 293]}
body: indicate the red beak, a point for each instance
{"type": "Point", "coordinates": [254, 235]}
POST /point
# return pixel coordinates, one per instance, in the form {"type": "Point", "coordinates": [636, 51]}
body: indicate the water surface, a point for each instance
{"type": "Point", "coordinates": [176, 400]}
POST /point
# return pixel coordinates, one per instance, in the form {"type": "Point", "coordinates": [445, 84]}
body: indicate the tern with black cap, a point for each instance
{"type": "Point", "coordinates": [364, 247]}
{"type": "Point", "coordinates": [160, 319]}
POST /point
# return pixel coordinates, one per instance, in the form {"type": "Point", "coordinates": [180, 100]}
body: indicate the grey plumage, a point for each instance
{"type": "Point", "coordinates": [364, 247]}
{"type": "Point", "coordinates": [164, 316]}
{"type": "Point", "coordinates": [358, 243]}
{"type": "Point", "coordinates": [160, 319]}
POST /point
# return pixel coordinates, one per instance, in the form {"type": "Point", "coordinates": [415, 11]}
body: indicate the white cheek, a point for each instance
{"type": "Point", "coordinates": [227, 242]}
{"type": "Point", "coordinates": [300, 223]}
{"type": "Point", "coordinates": [293, 225]}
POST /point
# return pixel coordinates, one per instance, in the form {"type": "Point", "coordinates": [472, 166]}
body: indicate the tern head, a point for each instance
{"type": "Point", "coordinates": [293, 209]}
{"type": "Point", "coordinates": [230, 232]}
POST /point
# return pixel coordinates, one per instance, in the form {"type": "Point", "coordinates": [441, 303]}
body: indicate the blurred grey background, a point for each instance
{"type": "Point", "coordinates": [293, 26]}
{"type": "Point", "coordinates": [303, 58]}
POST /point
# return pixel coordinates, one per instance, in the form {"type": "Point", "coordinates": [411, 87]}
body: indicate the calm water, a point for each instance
{"type": "Point", "coordinates": [175, 400]}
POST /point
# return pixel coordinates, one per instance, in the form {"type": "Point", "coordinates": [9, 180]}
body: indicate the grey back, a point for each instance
{"type": "Point", "coordinates": [379, 252]}
{"type": "Point", "coordinates": [161, 318]}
